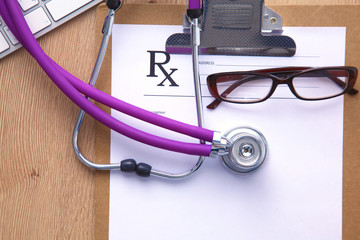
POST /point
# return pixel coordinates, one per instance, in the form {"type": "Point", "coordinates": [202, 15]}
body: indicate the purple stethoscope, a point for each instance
{"type": "Point", "coordinates": [241, 149]}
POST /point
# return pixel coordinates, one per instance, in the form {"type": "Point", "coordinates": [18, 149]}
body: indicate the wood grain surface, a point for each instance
{"type": "Point", "coordinates": [45, 192]}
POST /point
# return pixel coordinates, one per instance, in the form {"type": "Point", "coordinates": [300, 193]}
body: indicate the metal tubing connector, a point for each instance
{"type": "Point", "coordinates": [220, 145]}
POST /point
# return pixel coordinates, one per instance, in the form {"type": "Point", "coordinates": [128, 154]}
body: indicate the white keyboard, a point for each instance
{"type": "Point", "coordinates": [42, 16]}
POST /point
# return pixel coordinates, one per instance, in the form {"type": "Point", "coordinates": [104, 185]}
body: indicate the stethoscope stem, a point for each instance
{"type": "Point", "coordinates": [195, 33]}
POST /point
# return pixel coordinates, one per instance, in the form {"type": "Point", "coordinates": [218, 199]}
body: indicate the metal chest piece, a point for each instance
{"type": "Point", "coordinates": [248, 150]}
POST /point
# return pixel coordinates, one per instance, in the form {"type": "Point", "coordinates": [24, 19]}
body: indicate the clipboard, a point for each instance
{"type": "Point", "coordinates": [299, 15]}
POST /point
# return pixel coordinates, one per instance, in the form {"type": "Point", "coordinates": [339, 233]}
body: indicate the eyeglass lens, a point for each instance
{"type": "Point", "coordinates": [245, 88]}
{"type": "Point", "coordinates": [321, 84]}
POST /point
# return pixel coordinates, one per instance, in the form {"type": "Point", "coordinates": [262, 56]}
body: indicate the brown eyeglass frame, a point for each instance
{"type": "Point", "coordinates": [291, 73]}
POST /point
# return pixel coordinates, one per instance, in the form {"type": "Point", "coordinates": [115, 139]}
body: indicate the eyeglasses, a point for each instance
{"type": "Point", "coordinates": [305, 83]}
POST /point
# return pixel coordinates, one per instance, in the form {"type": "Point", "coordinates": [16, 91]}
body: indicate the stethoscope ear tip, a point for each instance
{"type": "Point", "coordinates": [247, 151]}
{"type": "Point", "coordinates": [113, 4]}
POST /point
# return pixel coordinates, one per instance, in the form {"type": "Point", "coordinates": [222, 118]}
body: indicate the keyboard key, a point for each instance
{"type": "Point", "coordinates": [37, 20]}
{"type": "Point", "coordinates": [27, 4]}
{"type": "Point", "coordinates": [12, 38]}
{"type": "Point", "coordinates": [3, 43]}
{"type": "Point", "coordinates": [61, 8]}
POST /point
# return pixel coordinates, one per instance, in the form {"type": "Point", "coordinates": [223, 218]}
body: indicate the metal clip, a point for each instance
{"type": "Point", "coordinates": [242, 27]}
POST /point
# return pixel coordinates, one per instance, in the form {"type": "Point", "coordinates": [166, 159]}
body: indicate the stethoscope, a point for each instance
{"type": "Point", "coordinates": [242, 149]}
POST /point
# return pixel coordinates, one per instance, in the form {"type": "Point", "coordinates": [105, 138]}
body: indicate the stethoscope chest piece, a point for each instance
{"type": "Point", "coordinates": [248, 150]}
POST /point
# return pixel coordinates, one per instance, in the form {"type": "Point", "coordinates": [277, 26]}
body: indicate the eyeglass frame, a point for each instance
{"type": "Point", "coordinates": [288, 80]}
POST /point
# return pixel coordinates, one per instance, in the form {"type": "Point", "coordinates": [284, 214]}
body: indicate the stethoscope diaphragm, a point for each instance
{"type": "Point", "coordinates": [248, 149]}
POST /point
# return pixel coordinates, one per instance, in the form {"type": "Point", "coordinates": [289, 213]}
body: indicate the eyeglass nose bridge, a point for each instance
{"type": "Point", "coordinates": [285, 80]}
{"type": "Point", "coordinates": [280, 80]}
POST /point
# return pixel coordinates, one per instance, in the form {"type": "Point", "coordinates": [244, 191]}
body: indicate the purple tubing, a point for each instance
{"type": "Point", "coordinates": [71, 86]}
{"type": "Point", "coordinates": [194, 4]}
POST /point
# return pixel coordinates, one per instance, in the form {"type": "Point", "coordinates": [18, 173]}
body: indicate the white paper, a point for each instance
{"type": "Point", "coordinates": [297, 192]}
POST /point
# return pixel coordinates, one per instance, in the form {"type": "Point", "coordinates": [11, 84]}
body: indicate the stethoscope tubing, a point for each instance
{"type": "Point", "coordinates": [109, 166]}
{"type": "Point", "coordinates": [71, 86]}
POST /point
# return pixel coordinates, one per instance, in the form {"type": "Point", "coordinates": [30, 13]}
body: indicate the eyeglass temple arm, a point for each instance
{"type": "Point", "coordinates": [341, 84]}
{"type": "Point", "coordinates": [353, 91]}
{"type": "Point", "coordinates": [217, 101]}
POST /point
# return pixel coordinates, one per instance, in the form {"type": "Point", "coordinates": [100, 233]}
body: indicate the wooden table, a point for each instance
{"type": "Point", "coordinates": [45, 192]}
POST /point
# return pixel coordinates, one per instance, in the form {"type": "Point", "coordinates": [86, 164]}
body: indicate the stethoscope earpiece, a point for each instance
{"type": "Point", "coordinates": [247, 151]}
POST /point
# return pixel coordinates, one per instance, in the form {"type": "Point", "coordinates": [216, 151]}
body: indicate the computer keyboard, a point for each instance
{"type": "Point", "coordinates": [42, 16]}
